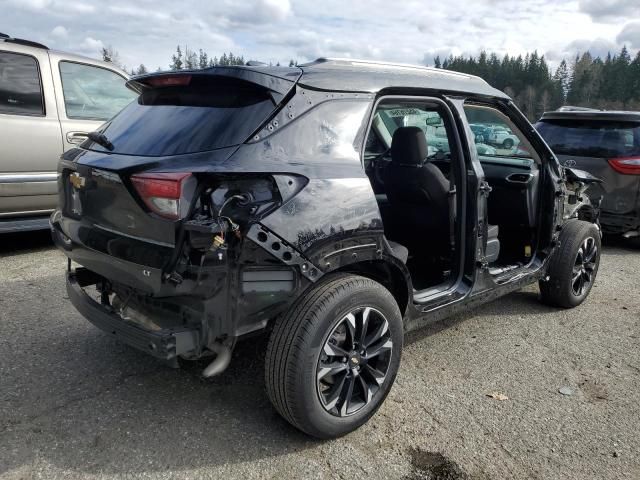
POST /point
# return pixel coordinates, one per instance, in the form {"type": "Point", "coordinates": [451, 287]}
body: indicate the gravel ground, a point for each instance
{"type": "Point", "coordinates": [76, 404]}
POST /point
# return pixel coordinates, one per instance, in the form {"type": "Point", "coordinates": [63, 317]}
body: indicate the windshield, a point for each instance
{"type": "Point", "coordinates": [208, 113]}
{"type": "Point", "coordinates": [591, 138]}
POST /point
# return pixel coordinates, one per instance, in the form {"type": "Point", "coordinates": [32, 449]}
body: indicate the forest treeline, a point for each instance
{"type": "Point", "coordinates": [586, 81]}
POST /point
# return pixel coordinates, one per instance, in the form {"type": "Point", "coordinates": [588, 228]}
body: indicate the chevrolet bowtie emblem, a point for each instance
{"type": "Point", "coordinates": [77, 180]}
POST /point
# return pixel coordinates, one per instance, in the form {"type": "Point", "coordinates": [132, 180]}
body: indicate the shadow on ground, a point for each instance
{"type": "Point", "coordinates": [152, 418]}
{"type": "Point", "coordinates": [24, 242]}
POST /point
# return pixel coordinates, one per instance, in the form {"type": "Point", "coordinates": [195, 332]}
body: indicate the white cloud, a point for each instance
{"type": "Point", "coordinates": [413, 31]}
{"type": "Point", "coordinates": [60, 32]}
{"type": "Point", "coordinates": [630, 35]}
{"type": "Point", "coordinates": [610, 10]}
{"type": "Point", "coordinates": [598, 47]}
{"type": "Point", "coordinates": [91, 46]}
{"type": "Point", "coordinates": [254, 12]}
{"type": "Point", "coordinates": [31, 4]}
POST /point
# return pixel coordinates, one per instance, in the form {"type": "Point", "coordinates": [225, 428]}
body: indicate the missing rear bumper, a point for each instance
{"type": "Point", "coordinates": [166, 344]}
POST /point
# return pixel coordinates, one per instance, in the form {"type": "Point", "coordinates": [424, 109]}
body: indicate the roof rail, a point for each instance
{"type": "Point", "coordinates": [377, 63]}
{"type": "Point", "coordinates": [21, 41]}
{"type": "Point", "coordinates": [569, 108]}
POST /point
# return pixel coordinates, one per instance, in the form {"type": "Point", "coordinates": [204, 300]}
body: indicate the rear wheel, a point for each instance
{"type": "Point", "coordinates": [333, 358]}
{"type": "Point", "coordinates": [573, 266]}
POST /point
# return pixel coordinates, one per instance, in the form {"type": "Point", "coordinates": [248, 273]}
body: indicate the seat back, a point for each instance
{"type": "Point", "coordinates": [410, 178]}
{"type": "Point", "coordinates": [417, 191]}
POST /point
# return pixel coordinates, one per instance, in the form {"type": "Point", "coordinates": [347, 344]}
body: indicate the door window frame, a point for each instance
{"type": "Point", "coordinates": [43, 112]}
{"type": "Point", "coordinates": [548, 165]}
{"type": "Point", "coordinates": [455, 288]}
{"type": "Point", "coordinates": [64, 102]}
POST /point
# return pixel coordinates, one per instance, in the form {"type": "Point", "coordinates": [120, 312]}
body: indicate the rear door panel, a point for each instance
{"type": "Point", "coordinates": [31, 146]}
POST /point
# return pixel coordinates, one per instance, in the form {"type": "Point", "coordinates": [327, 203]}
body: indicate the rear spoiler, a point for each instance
{"type": "Point", "coordinates": [277, 80]}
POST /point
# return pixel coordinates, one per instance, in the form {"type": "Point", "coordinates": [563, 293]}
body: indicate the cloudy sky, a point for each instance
{"type": "Point", "coordinates": [147, 31]}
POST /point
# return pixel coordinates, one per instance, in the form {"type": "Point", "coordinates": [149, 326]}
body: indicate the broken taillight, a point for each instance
{"type": "Point", "coordinates": [166, 194]}
{"type": "Point", "coordinates": [626, 165]}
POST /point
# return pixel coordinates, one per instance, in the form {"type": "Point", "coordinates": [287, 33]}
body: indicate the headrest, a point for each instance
{"type": "Point", "coordinates": [408, 146]}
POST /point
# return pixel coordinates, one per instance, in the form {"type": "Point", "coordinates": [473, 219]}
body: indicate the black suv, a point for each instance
{"type": "Point", "coordinates": [308, 202]}
{"type": "Point", "coordinates": [607, 145]}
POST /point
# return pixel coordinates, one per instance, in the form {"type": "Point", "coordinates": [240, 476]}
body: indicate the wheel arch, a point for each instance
{"type": "Point", "coordinates": [388, 274]}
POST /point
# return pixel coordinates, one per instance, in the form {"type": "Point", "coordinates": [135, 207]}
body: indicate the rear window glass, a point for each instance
{"type": "Point", "coordinates": [209, 113]}
{"type": "Point", "coordinates": [20, 92]}
{"type": "Point", "coordinates": [589, 138]}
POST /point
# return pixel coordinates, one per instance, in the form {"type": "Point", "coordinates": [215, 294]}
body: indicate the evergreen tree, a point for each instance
{"type": "Point", "coordinates": [203, 59]}
{"type": "Point", "coordinates": [562, 77]}
{"type": "Point", "coordinates": [110, 54]}
{"type": "Point", "coordinates": [190, 59]}
{"type": "Point", "coordinates": [176, 60]}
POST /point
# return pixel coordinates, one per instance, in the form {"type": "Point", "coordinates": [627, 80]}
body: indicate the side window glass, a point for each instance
{"type": "Point", "coordinates": [93, 93]}
{"type": "Point", "coordinates": [20, 89]}
{"type": "Point", "coordinates": [497, 139]}
{"type": "Point", "coordinates": [389, 118]}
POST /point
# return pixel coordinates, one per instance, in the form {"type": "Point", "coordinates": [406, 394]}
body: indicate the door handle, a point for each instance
{"type": "Point", "coordinates": [76, 137]}
{"type": "Point", "coordinates": [522, 178]}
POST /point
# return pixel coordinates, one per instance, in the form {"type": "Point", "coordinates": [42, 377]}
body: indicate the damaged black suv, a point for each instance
{"type": "Point", "coordinates": [337, 205]}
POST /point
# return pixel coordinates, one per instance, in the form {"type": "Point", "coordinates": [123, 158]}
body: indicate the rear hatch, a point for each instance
{"type": "Point", "coordinates": [607, 148]}
{"type": "Point", "coordinates": [126, 191]}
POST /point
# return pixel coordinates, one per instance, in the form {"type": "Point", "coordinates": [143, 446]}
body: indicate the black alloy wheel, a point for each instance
{"type": "Point", "coordinates": [584, 266]}
{"type": "Point", "coordinates": [573, 266]}
{"type": "Point", "coordinates": [333, 357]}
{"type": "Point", "coordinates": [354, 361]}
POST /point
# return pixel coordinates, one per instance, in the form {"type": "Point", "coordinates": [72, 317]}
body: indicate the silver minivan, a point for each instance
{"type": "Point", "coordinates": [49, 101]}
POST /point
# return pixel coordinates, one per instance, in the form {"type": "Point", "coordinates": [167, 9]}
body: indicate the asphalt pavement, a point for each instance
{"type": "Point", "coordinates": [478, 395]}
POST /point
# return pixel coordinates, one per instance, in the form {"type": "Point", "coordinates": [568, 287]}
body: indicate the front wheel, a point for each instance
{"type": "Point", "coordinates": [508, 144]}
{"type": "Point", "coordinates": [573, 266]}
{"type": "Point", "coordinates": [332, 359]}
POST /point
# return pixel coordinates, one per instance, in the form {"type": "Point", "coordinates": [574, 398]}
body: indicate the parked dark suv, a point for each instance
{"type": "Point", "coordinates": [606, 144]}
{"type": "Point", "coordinates": [307, 202]}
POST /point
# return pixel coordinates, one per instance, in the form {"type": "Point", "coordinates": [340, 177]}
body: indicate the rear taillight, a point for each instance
{"type": "Point", "coordinates": [166, 194]}
{"type": "Point", "coordinates": [626, 165]}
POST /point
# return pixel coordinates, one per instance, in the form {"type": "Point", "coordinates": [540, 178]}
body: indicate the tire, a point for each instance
{"type": "Point", "coordinates": [303, 348]}
{"type": "Point", "coordinates": [573, 266]}
{"type": "Point", "coordinates": [508, 144]}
